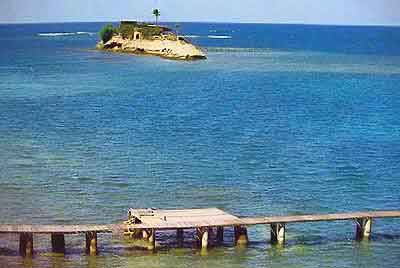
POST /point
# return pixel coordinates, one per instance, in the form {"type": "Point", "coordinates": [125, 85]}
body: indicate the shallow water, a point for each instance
{"type": "Point", "coordinates": [279, 120]}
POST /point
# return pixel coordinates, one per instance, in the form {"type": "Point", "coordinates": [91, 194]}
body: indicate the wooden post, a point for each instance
{"type": "Point", "coordinates": [26, 244]}
{"type": "Point", "coordinates": [58, 243]}
{"type": "Point", "coordinates": [91, 243]}
{"type": "Point", "coordinates": [202, 234]}
{"type": "Point", "coordinates": [179, 236]}
{"type": "Point", "coordinates": [363, 228]}
{"type": "Point", "coordinates": [278, 231]}
{"type": "Point", "coordinates": [152, 240]}
{"type": "Point", "coordinates": [145, 234]}
{"type": "Point", "coordinates": [204, 238]}
{"type": "Point", "coordinates": [241, 237]}
{"type": "Point", "coordinates": [220, 234]}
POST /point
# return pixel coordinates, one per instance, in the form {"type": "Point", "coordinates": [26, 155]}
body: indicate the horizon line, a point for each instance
{"type": "Point", "coordinates": [215, 22]}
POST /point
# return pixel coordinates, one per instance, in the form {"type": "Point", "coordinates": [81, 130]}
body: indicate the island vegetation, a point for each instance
{"type": "Point", "coordinates": [145, 38]}
{"type": "Point", "coordinates": [107, 33]}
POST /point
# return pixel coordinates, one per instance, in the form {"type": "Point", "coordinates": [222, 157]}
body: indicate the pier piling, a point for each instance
{"type": "Point", "coordinates": [202, 234]}
{"type": "Point", "coordinates": [241, 237]}
{"type": "Point", "coordinates": [91, 243]}
{"type": "Point", "coordinates": [58, 243]}
{"type": "Point", "coordinates": [145, 234]}
{"type": "Point", "coordinates": [278, 231]}
{"type": "Point", "coordinates": [152, 240]}
{"type": "Point", "coordinates": [179, 236]}
{"type": "Point", "coordinates": [26, 244]}
{"type": "Point", "coordinates": [363, 228]}
{"type": "Point", "coordinates": [220, 234]}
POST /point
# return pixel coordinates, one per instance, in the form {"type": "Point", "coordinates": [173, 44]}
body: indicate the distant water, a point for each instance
{"type": "Point", "coordinates": [281, 119]}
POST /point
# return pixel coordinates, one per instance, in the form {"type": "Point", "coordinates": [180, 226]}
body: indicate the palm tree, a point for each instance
{"type": "Point", "coordinates": [156, 13]}
{"type": "Point", "coordinates": [177, 26]}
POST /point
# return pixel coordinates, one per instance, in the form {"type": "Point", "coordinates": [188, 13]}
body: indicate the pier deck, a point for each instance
{"type": "Point", "coordinates": [188, 219]}
{"type": "Point", "coordinates": [183, 218]}
{"type": "Point", "coordinates": [61, 229]}
{"type": "Point", "coordinates": [320, 217]}
{"type": "Point", "coordinates": [146, 222]}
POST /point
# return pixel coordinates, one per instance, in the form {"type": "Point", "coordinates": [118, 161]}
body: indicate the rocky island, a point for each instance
{"type": "Point", "coordinates": [142, 38]}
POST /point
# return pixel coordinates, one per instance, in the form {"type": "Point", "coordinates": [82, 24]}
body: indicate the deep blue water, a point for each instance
{"type": "Point", "coordinates": [280, 119]}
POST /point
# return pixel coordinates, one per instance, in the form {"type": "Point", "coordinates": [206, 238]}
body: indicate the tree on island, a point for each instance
{"type": "Point", "coordinates": [107, 33]}
{"type": "Point", "coordinates": [156, 13]}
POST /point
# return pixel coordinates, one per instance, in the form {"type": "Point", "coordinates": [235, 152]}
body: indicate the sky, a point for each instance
{"type": "Point", "coordinates": [336, 12]}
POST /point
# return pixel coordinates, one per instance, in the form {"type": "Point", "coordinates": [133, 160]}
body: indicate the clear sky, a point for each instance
{"type": "Point", "coordinates": [349, 12]}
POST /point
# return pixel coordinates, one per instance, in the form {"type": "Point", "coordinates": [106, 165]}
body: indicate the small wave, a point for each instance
{"type": "Point", "coordinates": [237, 49]}
{"type": "Point", "coordinates": [220, 36]}
{"type": "Point", "coordinates": [55, 34]}
{"type": "Point", "coordinates": [191, 36]}
{"type": "Point", "coordinates": [65, 34]}
{"type": "Point", "coordinates": [87, 33]}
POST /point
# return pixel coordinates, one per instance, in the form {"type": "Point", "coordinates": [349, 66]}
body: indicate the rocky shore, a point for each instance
{"type": "Point", "coordinates": [178, 49]}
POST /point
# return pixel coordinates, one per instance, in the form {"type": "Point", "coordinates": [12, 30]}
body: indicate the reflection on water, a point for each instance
{"type": "Point", "coordinates": [117, 252]}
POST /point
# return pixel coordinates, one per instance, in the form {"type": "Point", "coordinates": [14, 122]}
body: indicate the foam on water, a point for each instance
{"type": "Point", "coordinates": [219, 36]}
{"type": "Point", "coordinates": [65, 34]}
{"type": "Point", "coordinates": [192, 36]}
{"type": "Point", "coordinates": [210, 36]}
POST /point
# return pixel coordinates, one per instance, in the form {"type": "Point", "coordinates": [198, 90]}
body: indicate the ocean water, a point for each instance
{"type": "Point", "coordinates": [279, 120]}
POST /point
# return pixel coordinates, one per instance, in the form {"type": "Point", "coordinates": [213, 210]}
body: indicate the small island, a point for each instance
{"type": "Point", "coordinates": [151, 39]}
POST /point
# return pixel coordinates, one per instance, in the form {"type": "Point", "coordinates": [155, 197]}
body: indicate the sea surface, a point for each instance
{"type": "Point", "coordinates": [279, 120]}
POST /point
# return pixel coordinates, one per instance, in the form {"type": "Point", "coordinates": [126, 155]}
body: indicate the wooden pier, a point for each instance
{"type": "Point", "coordinates": [145, 223]}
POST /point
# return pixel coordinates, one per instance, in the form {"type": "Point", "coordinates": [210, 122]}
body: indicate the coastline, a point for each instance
{"type": "Point", "coordinates": [178, 49]}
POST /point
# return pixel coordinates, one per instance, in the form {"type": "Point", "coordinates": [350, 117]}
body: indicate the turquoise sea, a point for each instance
{"type": "Point", "coordinates": [279, 120]}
